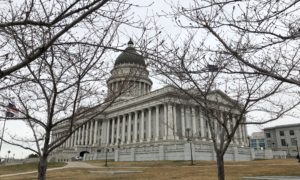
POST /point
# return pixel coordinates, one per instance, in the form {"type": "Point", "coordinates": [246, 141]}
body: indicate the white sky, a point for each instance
{"type": "Point", "coordinates": [169, 28]}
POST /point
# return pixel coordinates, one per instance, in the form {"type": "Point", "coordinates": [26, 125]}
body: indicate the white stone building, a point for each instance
{"type": "Point", "coordinates": [149, 125]}
{"type": "Point", "coordinates": [283, 138]}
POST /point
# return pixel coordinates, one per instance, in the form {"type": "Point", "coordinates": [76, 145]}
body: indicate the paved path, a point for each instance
{"type": "Point", "coordinates": [272, 178]}
{"type": "Point", "coordinates": [74, 164]}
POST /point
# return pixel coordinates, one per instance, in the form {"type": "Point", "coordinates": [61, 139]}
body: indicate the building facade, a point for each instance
{"type": "Point", "coordinates": [257, 140]}
{"type": "Point", "coordinates": [283, 138]}
{"type": "Point", "coordinates": [150, 125]}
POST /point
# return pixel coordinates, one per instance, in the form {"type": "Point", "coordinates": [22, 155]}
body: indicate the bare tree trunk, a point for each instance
{"type": "Point", "coordinates": [220, 166]}
{"type": "Point", "coordinates": [42, 167]}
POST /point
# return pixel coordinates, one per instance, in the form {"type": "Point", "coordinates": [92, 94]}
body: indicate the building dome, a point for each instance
{"type": "Point", "coordinates": [130, 56]}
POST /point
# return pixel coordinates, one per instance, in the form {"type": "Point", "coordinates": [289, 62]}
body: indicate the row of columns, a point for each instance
{"type": "Point", "coordinates": [160, 122]}
{"type": "Point", "coordinates": [139, 87]}
{"type": "Point", "coordinates": [88, 134]}
{"type": "Point", "coordinates": [167, 121]}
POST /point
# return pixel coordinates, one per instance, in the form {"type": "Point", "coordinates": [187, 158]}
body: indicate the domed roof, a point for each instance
{"type": "Point", "coordinates": [130, 56]}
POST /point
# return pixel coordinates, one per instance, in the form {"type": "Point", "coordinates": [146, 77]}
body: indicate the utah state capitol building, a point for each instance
{"type": "Point", "coordinates": [148, 125]}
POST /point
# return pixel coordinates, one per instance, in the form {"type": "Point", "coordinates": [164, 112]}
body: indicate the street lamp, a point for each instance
{"type": "Point", "coordinates": [106, 149]}
{"type": "Point", "coordinates": [8, 152]}
{"type": "Point", "coordinates": [189, 139]}
{"type": "Point", "coordinates": [248, 137]}
{"type": "Point", "coordinates": [287, 146]}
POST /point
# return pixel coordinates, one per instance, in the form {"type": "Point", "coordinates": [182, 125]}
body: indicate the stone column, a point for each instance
{"type": "Point", "coordinates": [75, 137]}
{"type": "Point", "coordinates": [165, 122]}
{"type": "Point", "coordinates": [129, 129]}
{"type": "Point", "coordinates": [72, 139]}
{"type": "Point", "coordinates": [230, 121]}
{"type": "Point", "coordinates": [66, 143]}
{"type": "Point", "coordinates": [82, 135]}
{"type": "Point", "coordinates": [194, 128]}
{"type": "Point", "coordinates": [208, 128]}
{"type": "Point", "coordinates": [102, 132]}
{"type": "Point", "coordinates": [188, 118]}
{"type": "Point", "coordinates": [79, 136]}
{"type": "Point", "coordinates": [157, 123]}
{"type": "Point", "coordinates": [175, 122]}
{"type": "Point", "coordinates": [107, 132]}
{"type": "Point", "coordinates": [69, 141]}
{"type": "Point", "coordinates": [86, 134]}
{"type": "Point", "coordinates": [182, 121]}
{"type": "Point", "coordinates": [142, 126]}
{"type": "Point", "coordinates": [215, 119]}
{"type": "Point", "coordinates": [237, 132]}
{"type": "Point", "coordinates": [140, 88]}
{"type": "Point", "coordinates": [123, 129]}
{"type": "Point", "coordinates": [240, 133]}
{"type": "Point", "coordinates": [91, 132]}
{"type": "Point", "coordinates": [149, 124]}
{"type": "Point", "coordinates": [202, 132]}
{"type": "Point", "coordinates": [113, 131]}
{"type": "Point", "coordinates": [170, 122]}
{"type": "Point", "coordinates": [95, 132]}
{"type": "Point", "coordinates": [135, 126]}
{"type": "Point", "coordinates": [118, 129]}
{"type": "Point", "coordinates": [244, 130]}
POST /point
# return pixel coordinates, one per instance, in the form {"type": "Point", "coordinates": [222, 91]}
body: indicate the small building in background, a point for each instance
{"type": "Point", "coordinates": [257, 141]}
{"type": "Point", "coordinates": [283, 138]}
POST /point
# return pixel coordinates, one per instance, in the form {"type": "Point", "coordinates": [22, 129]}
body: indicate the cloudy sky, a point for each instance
{"type": "Point", "coordinates": [148, 8]}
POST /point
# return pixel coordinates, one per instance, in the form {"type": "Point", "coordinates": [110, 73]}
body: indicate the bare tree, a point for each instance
{"type": "Point", "coordinates": [262, 35]}
{"type": "Point", "coordinates": [30, 28]}
{"type": "Point", "coordinates": [63, 81]}
{"type": "Point", "coordinates": [201, 75]}
{"type": "Point", "coordinates": [248, 49]}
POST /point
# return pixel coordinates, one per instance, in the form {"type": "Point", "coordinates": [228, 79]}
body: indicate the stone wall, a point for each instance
{"type": "Point", "coordinates": [183, 151]}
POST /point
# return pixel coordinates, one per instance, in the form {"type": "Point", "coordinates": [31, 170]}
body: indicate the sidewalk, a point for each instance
{"type": "Point", "coordinates": [272, 178]}
{"type": "Point", "coordinates": [75, 164]}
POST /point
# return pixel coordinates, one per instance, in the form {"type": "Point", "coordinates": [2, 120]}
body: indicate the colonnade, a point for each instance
{"type": "Point", "coordinates": [166, 121]}
{"type": "Point", "coordinates": [88, 135]}
{"type": "Point", "coordinates": [138, 87]}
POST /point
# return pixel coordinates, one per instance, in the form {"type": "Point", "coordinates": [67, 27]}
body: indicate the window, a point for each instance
{"type": "Point", "coordinates": [292, 133]}
{"type": "Point", "coordinates": [283, 142]}
{"type": "Point", "coordinates": [281, 133]}
{"type": "Point", "coordinates": [269, 142]}
{"type": "Point", "coordinates": [294, 141]}
{"type": "Point", "coordinates": [268, 135]}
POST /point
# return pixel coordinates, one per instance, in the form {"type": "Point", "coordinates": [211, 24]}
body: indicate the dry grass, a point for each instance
{"type": "Point", "coordinates": [174, 170]}
{"type": "Point", "coordinates": [25, 167]}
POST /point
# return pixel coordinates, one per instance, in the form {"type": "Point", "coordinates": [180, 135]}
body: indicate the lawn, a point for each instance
{"type": "Point", "coordinates": [25, 167]}
{"type": "Point", "coordinates": [174, 170]}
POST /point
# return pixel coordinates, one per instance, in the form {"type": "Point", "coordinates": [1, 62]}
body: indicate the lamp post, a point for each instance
{"type": "Point", "coordinates": [106, 149]}
{"type": "Point", "coordinates": [248, 137]}
{"type": "Point", "coordinates": [189, 139]}
{"type": "Point", "coordinates": [298, 156]}
{"type": "Point", "coordinates": [8, 152]}
{"type": "Point", "coordinates": [287, 148]}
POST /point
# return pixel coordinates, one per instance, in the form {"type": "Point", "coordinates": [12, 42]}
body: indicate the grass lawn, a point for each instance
{"type": "Point", "coordinates": [25, 167]}
{"type": "Point", "coordinates": [174, 170]}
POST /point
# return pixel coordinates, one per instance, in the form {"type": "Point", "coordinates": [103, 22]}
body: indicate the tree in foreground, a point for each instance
{"type": "Point", "coordinates": [24, 25]}
{"type": "Point", "coordinates": [247, 50]}
{"type": "Point", "coordinates": [51, 91]}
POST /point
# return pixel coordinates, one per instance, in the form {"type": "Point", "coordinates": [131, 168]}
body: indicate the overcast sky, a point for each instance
{"type": "Point", "coordinates": [169, 28]}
